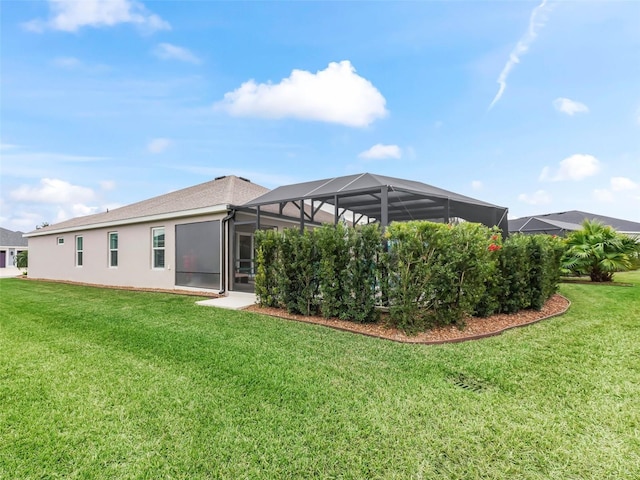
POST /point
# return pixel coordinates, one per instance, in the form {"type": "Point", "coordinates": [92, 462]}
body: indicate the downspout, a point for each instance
{"type": "Point", "coordinates": [223, 245]}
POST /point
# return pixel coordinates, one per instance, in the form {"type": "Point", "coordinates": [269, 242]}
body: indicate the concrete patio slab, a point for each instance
{"type": "Point", "coordinates": [232, 301]}
{"type": "Point", "coordinates": [10, 272]}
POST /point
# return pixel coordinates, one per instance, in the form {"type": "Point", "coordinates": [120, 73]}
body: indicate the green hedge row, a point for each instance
{"type": "Point", "coordinates": [425, 273]}
{"type": "Point", "coordinates": [526, 274]}
{"type": "Point", "coordinates": [329, 270]}
{"type": "Point", "coordinates": [436, 272]}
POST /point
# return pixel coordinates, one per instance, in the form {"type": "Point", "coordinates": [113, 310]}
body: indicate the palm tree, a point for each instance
{"type": "Point", "coordinates": [598, 251]}
{"type": "Point", "coordinates": [22, 259]}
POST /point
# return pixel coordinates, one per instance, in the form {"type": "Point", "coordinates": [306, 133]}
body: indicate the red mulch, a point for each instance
{"type": "Point", "coordinates": [475, 328]}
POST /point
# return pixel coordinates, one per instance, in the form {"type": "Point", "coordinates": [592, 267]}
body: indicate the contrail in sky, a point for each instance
{"type": "Point", "coordinates": [535, 24]}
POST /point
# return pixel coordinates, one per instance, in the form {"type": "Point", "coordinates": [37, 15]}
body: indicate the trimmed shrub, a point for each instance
{"type": "Point", "coordinates": [362, 274]}
{"type": "Point", "coordinates": [527, 273]}
{"type": "Point", "coordinates": [436, 272]}
{"type": "Point", "coordinates": [545, 255]}
{"type": "Point", "coordinates": [333, 249]}
{"type": "Point", "coordinates": [267, 267]}
{"type": "Point", "coordinates": [411, 247]}
{"type": "Point", "coordinates": [513, 265]}
{"type": "Point", "coordinates": [465, 264]}
{"type": "Point", "coordinates": [489, 302]}
{"type": "Point", "coordinates": [298, 273]}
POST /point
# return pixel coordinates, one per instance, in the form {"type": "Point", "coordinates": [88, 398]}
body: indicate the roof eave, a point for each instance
{"type": "Point", "coordinates": [222, 208]}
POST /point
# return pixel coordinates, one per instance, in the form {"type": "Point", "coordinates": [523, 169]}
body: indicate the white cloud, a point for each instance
{"type": "Point", "coordinates": [167, 51]}
{"type": "Point", "coordinates": [159, 145]}
{"type": "Point", "coordinates": [49, 157]}
{"type": "Point", "coordinates": [576, 167]}
{"type": "Point", "coordinates": [75, 210]}
{"type": "Point", "coordinates": [536, 22]}
{"type": "Point", "coordinates": [380, 151]}
{"type": "Point", "coordinates": [52, 190]}
{"type": "Point", "coordinates": [603, 195]}
{"type": "Point", "coordinates": [570, 107]}
{"type": "Point", "coordinates": [107, 185]}
{"type": "Point", "coordinates": [545, 174]}
{"type": "Point", "coordinates": [8, 146]}
{"type": "Point", "coordinates": [476, 185]}
{"type": "Point", "coordinates": [540, 197]}
{"type": "Point", "coordinates": [71, 15]}
{"type": "Point", "coordinates": [22, 221]}
{"type": "Point", "coordinates": [73, 63]}
{"type": "Point", "coordinates": [66, 62]}
{"type": "Point", "coordinates": [619, 184]}
{"type": "Point", "coordinates": [335, 95]}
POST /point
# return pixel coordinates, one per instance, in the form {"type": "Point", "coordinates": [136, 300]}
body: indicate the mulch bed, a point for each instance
{"type": "Point", "coordinates": [475, 328]}
{"type": "Point", "coordinates": [587, 281]}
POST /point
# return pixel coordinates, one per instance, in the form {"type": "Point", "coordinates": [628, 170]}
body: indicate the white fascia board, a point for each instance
{"type": "Point", "coordinates": [130, 221]}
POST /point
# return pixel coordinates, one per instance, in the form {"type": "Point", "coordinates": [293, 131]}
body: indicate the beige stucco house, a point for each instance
{"type": "Point", "coordinates": [202, 237]}
{"type": "Point", "coordinates": [190, 238]}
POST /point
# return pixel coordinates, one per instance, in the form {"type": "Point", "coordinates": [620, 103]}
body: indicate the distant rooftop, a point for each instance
{"type": "Point", "coordinates": [9, 238]}
{"type": "Point", "coordinates": [568, 221]}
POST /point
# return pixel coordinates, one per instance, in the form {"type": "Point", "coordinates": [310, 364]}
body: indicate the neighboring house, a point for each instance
{"type": "Point", "coordinates": [11, 244]}
{"type": "Point", "coordinates": [203, 236]}
{"type": "Point", "coordinates": [563, 222]}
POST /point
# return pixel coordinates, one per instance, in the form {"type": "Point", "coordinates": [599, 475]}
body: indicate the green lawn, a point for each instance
{"type": "Point", "coordinates": [114, 384]}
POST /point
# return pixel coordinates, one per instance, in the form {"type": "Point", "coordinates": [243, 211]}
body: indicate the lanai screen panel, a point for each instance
{"type": "Point", "coordinates": [198, 254]}
{"type": "Point", "coordinates": [387, 199]}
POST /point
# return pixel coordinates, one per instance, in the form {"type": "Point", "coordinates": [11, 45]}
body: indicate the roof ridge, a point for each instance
{"type": "Point", "coordinates": [225, 190]}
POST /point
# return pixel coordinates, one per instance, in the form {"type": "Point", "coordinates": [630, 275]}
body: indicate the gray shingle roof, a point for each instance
{"type": "Point", "coordinates": [572, 220]}
{"type": "Point", "coordinates": [229, 190]}
{"type": "Point", "coordinates": [9, 238]}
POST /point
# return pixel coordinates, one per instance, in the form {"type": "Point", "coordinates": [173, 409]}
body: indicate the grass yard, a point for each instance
{"type": "Point", "coordinates": [114, 384]}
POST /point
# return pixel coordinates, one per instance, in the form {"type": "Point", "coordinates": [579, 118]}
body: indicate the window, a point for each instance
{"type": "Point", "coordinates": [60, 240]}
{"type": "Point", "coordinates": [113, 249]}
{"type": "Point", "coordinates": [79, 251]}
{"type": "Point", "coordinates": [157, 247]}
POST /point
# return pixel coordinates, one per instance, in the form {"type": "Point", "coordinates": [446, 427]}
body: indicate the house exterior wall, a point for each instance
{"type": "Point", "coordinates": [51, 260]}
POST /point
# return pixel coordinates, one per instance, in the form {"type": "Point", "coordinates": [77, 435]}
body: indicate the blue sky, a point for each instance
{"type": "Point", "coordinates": [532, 105]}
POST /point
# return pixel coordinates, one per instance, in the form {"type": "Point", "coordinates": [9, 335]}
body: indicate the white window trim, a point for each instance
{"type": "Point", "coordinates": [109, 249]}
{"type": "Point", "coordinates": [60, 240]}
{"type": "Point", "coordinates": [153, 248]}
{"type": "Point", "coordinates": [77, 250]}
